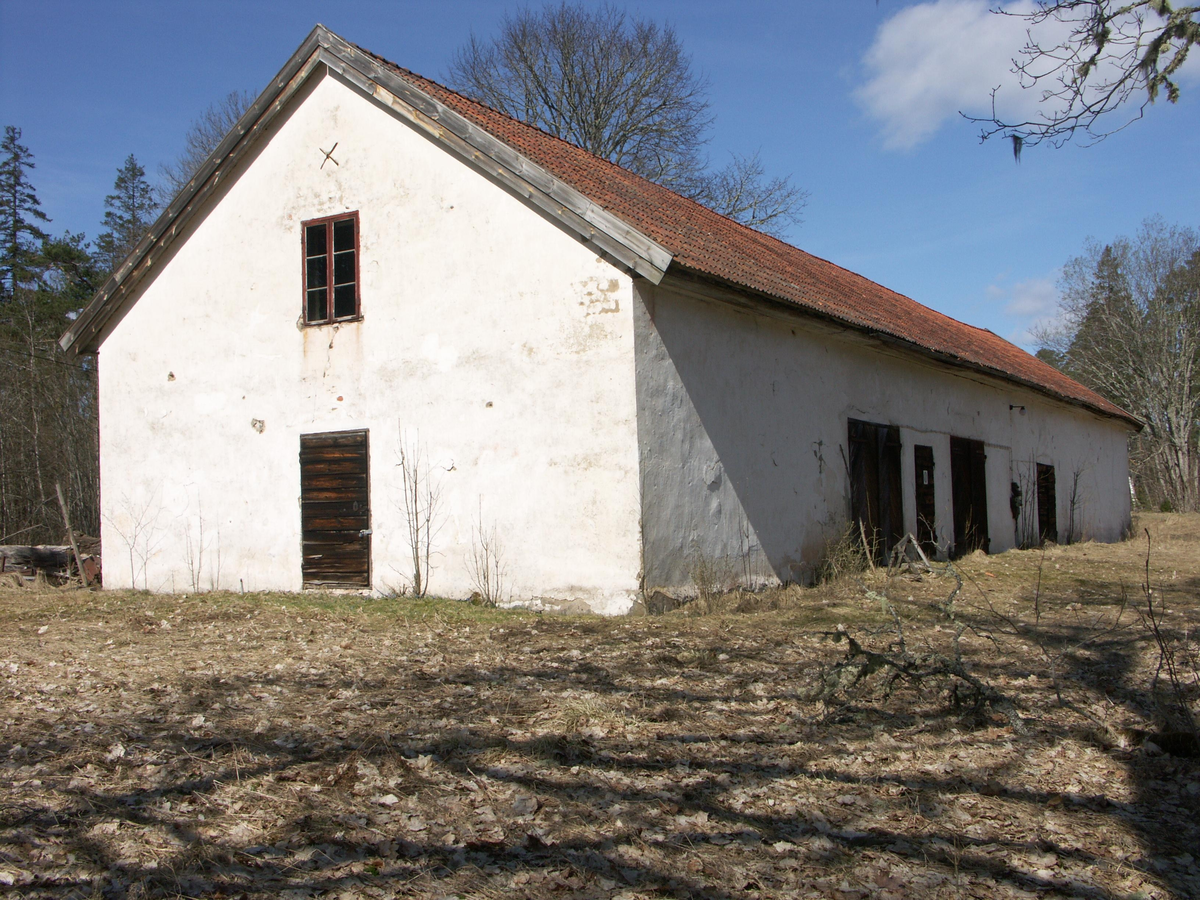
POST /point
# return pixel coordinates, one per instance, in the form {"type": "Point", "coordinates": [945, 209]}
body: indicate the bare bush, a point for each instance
{"type": "Point", "coordinates": [422, 494]}
{"type": "Point", "coordinates": [1178, 666]}
{"type": "Point", "coordinates": [136, 524]}
{"type": "Point", "coordinates": [845, 554]}
{"type": "Point", "coordinates": [486, 566]}
{"type": "Point", "coordinates": [711, 575]}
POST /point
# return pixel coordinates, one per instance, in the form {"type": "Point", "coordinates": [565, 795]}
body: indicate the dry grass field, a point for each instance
{"type": "Point", "coordinates": [219, 745]}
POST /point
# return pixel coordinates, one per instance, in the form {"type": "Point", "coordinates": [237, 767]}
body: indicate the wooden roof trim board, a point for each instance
{"type": "Point", "coordinates": [609, 235]}
{"type": "Point", "coordinates": [636, 224]}
{"type": "Point", "coordinates": [85, 332]}
{"type": "Point", "coordinates": [627, 246]}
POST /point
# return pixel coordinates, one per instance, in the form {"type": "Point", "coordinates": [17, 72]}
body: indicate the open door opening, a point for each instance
{"type": "Point", "coordinates": [1047, 504]}
{"type": "Point", "coordinates": [876, 500]}
{"type": "Point", "coordinates": [926, 507]}
{"type": "Point", "coordinates": [968, 482]}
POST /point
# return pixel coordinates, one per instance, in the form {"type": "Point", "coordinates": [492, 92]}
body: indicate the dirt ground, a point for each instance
{"type": "Point", "coordinates": [223, 745]}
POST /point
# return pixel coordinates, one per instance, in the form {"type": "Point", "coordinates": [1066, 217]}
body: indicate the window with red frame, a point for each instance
{"type": "Point", "coordinates": [331, 270]}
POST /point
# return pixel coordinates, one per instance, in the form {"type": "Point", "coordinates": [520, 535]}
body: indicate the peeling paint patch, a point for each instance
{"type": "Point", "coordinates": [600, 296]}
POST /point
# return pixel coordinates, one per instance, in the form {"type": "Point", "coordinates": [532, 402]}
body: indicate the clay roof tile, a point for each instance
{"type": "Point", "coordinates": [713, 245]}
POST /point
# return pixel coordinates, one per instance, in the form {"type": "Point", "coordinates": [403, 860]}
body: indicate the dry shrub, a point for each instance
{"type": "Point", "coordinates": [576, 713]}
{"type": "Point", "coordinates": [844, 556]}
{"type": "Point", "coordinates": [711, 576]}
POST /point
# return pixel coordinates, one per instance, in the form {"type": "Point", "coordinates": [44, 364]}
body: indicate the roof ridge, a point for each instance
{"type": "Point", "coordinates": [406, 72]}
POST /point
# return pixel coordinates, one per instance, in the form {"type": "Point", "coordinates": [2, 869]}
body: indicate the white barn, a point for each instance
{"type": "Point", "coordinates": [615, 382]}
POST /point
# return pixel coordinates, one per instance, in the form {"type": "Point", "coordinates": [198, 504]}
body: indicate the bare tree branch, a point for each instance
{"type": "Point", "coordinates": [208, 130]}
{"type": "Point", "coordinates": [1097, 64]}
{"type": "Point", "coordinates": [622, 88]}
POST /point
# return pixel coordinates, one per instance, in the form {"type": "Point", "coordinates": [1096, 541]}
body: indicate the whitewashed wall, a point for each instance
{"type": "Point", "coordinates": [501, 342]}
{"type": "Point", "coordinates": [742, 423]}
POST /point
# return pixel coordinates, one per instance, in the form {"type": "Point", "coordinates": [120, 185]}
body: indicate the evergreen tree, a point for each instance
{"type": "Point", "coordinates": [20, 211]}
{"type": "Point", "coordinates": [130, 211]}
{"type": "Point", "coordinates": [48, 434]}
{"type": "Point", "coordinates": [1130, 330]}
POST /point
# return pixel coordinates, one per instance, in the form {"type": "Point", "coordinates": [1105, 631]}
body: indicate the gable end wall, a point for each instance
{"type": "Point", "coordinates": [496, 341]}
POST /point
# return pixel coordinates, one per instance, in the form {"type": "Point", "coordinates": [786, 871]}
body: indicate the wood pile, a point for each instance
{"type": "Point", "coordinates": [53, 562]}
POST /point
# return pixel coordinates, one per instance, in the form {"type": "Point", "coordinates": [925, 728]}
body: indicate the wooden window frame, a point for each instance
{"type": "Point", "coordinates": [330, 221]}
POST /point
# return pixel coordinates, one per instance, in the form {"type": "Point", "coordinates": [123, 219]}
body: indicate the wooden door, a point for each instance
{"type": "Point", "coordinates": [926, 508]}
{"type": "Point", "coordinates": [335, 510]}
{"type": "Point", "coordinates": [968, 488]}
{"type": "Point", "coordinates": [876, 498]}
{"type": "Point", "coordinates": [1047, 504]}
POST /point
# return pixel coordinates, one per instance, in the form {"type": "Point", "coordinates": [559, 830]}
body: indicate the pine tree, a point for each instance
{"type": "Point", "coordinates": [20, 211]}
{"type": "Point", "coordinates": [130, 210]}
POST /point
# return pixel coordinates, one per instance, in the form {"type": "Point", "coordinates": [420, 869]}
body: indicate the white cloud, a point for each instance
{"type": "Point", "coordinates": [932, 60]}
{"type": "Point", "coordinates": [1031, 305]}
{"type": "Point", "coordinates": [935, 59]}
{"type": "Point", "coordinates": [1033, 297]}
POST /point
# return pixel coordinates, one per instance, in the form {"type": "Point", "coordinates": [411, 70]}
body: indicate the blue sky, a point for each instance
{"type": "Point", "coordinates": [856, 100]}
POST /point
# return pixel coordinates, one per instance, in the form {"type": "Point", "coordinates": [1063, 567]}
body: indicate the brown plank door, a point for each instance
{"type": "Point", "coordinates": [968, 487]}
{"type": "Point", "coordinates": [1047, 504]}
{"type": "Point", "coordinates": [926, 508]}
{"type": "Point", "coordinates": [335, 509]}
{"type": "Point", "coordinates": [876, 498]}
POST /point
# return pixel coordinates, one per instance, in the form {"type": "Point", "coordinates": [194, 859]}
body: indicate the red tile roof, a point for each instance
{"type": "Point", "coordinates": [711, 244]}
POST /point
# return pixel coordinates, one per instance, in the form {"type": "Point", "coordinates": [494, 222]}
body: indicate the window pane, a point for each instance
{"type": "Point", "coordinates": [344, 301]}
{"type": "Point", "coordinates": [343, 235]}
{"type": "Point", "coordinates": [343, 268]}
{"type": "Point", "coordinates": [317, 271]}
{"type": "Point", "coordinates": [314, 240]}
{"type": "Point", "coordinates": [317, 309]}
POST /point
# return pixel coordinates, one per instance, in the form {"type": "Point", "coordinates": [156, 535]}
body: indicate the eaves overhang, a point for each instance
{"type": "Point", "coordinates": [702, 284]}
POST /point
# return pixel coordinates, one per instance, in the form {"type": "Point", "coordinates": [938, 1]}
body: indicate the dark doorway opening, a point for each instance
{"type": "Point", "coordinates": [876, 500]}
{"type": "Point", "coordinates": [1047, 504]}
{"type": "Point", "coordinates": [335, 512]}
{"type": "Point", "coordinates": [968, 486]}
{"type": "Point", "coordinates": [926, 508]}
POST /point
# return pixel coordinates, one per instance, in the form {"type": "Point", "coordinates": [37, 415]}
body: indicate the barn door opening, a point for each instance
{"type": "Point", "coordinates": [968, 486]}
{"type": "Point", "coordinates": [335, 511]}
{"type": "Point", "coordinates": [1047, 504]}
{"type": "Point", "coordinates": [876, 500]}
{"type": "Point", "coordinates": [926, 509]}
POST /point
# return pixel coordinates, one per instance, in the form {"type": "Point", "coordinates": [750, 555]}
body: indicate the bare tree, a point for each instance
{"type": "Point", "coordinates": [422, 494]}
{"type": "Point", "coordinates": [1130, 330]}
{"type": "Point", "coordinates": [623, 88]}
{"type": "Point", "coordinates": [1098, 64]}
{"type": "Point", "coordinates": [206, 132]}
{"type": "Point", "coordinates": [743, 192]}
